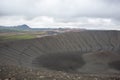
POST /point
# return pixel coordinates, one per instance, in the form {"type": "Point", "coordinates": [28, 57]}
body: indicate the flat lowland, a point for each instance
{"type": "Point", "coordinates": [84, 55]}
{"type": "Point", "coordinates": [20, 35]}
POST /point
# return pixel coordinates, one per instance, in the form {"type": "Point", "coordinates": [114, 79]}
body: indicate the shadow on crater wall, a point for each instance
{"type": "Point", "coordinates": [115, 65]}
{"type": "Point", "coordinates": [68, 62]}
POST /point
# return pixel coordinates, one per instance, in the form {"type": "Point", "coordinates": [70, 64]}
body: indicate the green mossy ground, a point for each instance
{"type": "Point", "coordinates": [16, 37]}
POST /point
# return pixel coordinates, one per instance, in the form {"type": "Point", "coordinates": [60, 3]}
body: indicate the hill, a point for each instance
{"type": "Point", "coordinates": [72, 52]}
{"type": "Point", "coordinates": [23, 27]}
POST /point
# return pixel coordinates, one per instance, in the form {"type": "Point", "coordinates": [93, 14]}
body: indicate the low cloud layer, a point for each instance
{"type": "Point", "coordinates": [98, 14]}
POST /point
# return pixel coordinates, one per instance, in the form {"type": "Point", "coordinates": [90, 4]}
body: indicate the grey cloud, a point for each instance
{"type": "Point", "coordinates": [61, 8]}
{"type": "Point", "coordinates": [112, 1]}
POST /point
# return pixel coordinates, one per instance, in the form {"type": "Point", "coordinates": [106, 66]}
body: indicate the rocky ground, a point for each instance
{"type": "Point", "coordinates": [21, 73]}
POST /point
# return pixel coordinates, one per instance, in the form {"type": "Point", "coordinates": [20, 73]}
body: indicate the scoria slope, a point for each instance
{"type": "Point", "coordinates": [85, 52]}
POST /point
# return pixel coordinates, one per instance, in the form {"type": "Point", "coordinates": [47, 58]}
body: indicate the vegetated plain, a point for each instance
{"type": "Point", "coordinates": [20, 32]}
{"type": "Point", "coordinates": [20, 35]}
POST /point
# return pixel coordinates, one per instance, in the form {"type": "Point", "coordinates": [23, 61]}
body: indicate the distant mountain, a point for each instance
{"type": "Point", "coordinates": [23, 27]}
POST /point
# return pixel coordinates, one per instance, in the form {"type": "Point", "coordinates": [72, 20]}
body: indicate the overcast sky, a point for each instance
{"type": "Point", "coordinates": [91, 14]}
